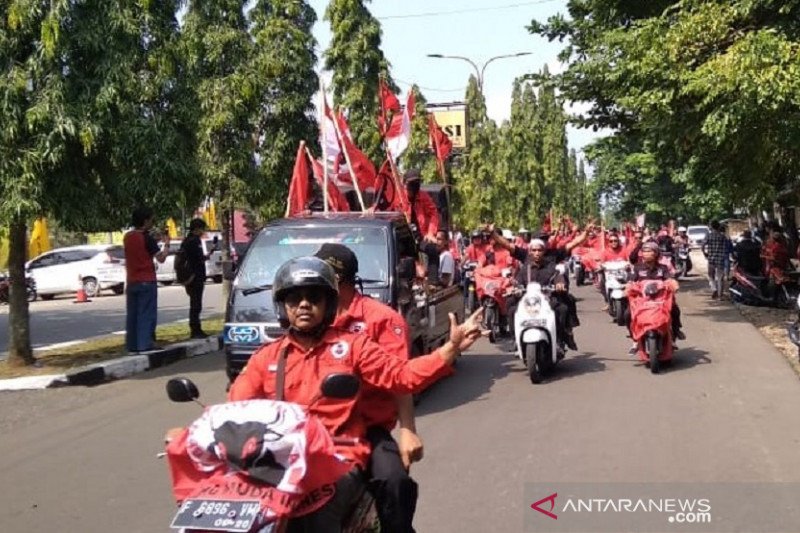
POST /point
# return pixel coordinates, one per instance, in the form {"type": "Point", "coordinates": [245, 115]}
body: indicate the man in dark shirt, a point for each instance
{"type": "Point", "coordinates": [193, 248]}
{"type": "Point", "coordinates": [747, 253]}
{"type": "Point", "coordinates": [650, 268]}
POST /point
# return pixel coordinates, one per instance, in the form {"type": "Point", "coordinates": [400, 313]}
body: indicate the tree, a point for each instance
{"type": "Point", "coordinates": [226, 91]}
{"type": "Point", "coordinates": [283, 68]}
{"type": "Point", "coordinates": [708, 88]}
{"type": "Point", "coordinates": [90, 125]}
{"type": "Point", "coordinates": [356, 60]}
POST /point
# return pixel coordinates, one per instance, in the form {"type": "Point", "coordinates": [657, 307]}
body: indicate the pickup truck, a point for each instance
{"type": "Point", "coordinates": [386, 251]}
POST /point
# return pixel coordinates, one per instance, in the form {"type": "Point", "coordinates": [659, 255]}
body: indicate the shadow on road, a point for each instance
{"type": "Point", "coordinates": [573, 366]}
{"type": "Point", "coordinates": [475, 375]}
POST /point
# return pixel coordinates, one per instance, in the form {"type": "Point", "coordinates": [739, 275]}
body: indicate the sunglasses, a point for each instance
{"type": "Point", "coordinates": [314, 297]}
{"type": "Point", "coordinates": [613, 240]}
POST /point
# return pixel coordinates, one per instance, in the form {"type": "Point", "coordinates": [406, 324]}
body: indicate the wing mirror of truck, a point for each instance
{"type": "Point", "coordinates": [340, 386]}
{"type": "Point", "coordinates": [182, 390]}
{"type": "Point", "coordinates": [407, 269]}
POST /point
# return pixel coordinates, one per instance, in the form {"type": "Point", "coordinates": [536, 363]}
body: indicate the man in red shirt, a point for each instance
{"type": "Point", "coordinates": [292, 368]}
{"type": "Point", "coordinates": [394, 490]}
{"type": "Point", "coordinates": [422, 209]}
{"type": "Point", "coordinates": [141, 295]}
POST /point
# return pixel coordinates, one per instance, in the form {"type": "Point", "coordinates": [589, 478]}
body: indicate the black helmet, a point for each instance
{"type": "Point", "coordinates": [305, 272]}
{"type": "Point", "coordinates": [476, 234]}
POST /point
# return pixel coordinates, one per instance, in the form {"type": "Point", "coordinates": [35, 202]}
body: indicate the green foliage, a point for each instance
{"type": "Point", "coordinates": [356, 60]}
{"type": "Point", "coordinates": [283, 67]}
{"type": "Point", "coordinates": [709, 90]}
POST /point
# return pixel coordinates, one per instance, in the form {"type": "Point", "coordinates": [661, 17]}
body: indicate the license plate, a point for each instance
{"type": "Point", "coordinates": [217, 515]}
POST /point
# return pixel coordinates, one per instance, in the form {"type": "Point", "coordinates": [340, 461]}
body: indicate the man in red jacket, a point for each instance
{"type": "Point", "coordinates": [292, 368]}
{"type": "Point", "coordinates": [422, 209]}
{"type": "Point", "coordinates": [394, 490]}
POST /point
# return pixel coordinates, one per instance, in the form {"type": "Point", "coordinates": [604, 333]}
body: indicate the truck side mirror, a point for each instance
{"type": "Point", "coordinates": [407, 269]}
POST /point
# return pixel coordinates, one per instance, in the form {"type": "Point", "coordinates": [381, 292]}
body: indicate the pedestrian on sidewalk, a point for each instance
{"type": "Point", "coordinates": [715, 251]}
{"type": "Point", "coordinates": [141, 295]}
{"type": "Point", "coordinates": [192, 247]}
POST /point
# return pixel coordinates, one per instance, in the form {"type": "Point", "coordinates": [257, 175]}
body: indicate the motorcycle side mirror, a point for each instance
{"type": "Point", "coordinates": [406, 269]}
{"type": "Point", "coordinates": [182, 390]}
{"type": "Point", "coordinates": [340, 386]}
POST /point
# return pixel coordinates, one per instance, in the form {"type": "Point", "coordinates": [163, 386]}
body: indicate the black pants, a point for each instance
{"type": "Point", "coordinates": [328, 518]}
{"type": "Point", "coordinates": [563, 305]}
{"type": "Point", "coordinates": [432, 252]}
{"type": "Point", "coordinates": [394, 491]}
{"type": "Point", "coordinates": [195, 292]}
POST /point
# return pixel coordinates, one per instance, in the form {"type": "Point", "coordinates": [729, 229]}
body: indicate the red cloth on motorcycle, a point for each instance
{"type": "Point", "coordinates": [651, 313]}
{"type": "Point", "coordinates": [385, 326]}
{"type": "Point", "coordinates": [489, 281]}
{"type": "Point", "coordinates": [263, 450]}
{"type": "Point", "coordinates": [337, 352]}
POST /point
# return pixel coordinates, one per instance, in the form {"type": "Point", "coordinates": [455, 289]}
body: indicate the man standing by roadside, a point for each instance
{"type": "Point", "coordinates": [394, 491]}
{"type": "Point", "coordinates": [714, 249]}
{"type": "Point", "coordinates": [141, 295]}
{"type": "Point", "coordinates": [196, 263]}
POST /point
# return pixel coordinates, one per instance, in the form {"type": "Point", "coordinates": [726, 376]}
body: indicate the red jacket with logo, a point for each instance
{"type": "Point", "coordinates": [337, 352]}
{"type": "Point", "coordinates": [385, 326]}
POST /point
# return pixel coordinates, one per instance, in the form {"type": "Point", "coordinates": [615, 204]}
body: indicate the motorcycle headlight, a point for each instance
{"type": "Point", "coordinates": [532, 304]}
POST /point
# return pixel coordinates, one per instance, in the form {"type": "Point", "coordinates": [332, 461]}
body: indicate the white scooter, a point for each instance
{"type": "Point", "coordinates": [535, 332]}
{"type": "Point", "coordinates": [616, 275]}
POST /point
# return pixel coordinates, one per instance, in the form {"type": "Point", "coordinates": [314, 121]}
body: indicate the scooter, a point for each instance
{"type": "Point", "coordinates": [683, 260]}
{"type": "Point", "coordinates": [492, 285]}
{"type": "Point", "coordinates": [755, 290]}
{"type": "Point", "coordinates": [651, 325]}
{"type": "Point", "coordinates": [252, 466]}
{"type": "Point", "coordinates": [535, 332]}
{"type": "Point", "coordinates": [5, 289]}
{"type": "Point", "coordinates": [616, 276]}
{"type": "Point", "coordinates": [468, 277]}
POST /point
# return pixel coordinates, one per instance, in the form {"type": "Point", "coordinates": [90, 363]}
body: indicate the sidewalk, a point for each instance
{"type": "Point", "coordinates": [111, 369]}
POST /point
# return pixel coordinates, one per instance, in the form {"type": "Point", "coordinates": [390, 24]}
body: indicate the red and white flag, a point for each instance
{"type": "Point", "coordinates": [361, 166]}
{"type": "Point", "coordinates": [299, 187]}
{"type": "Point", "coordinates": [336, 199]}
{"type": "Point", "coordinates": [399, 134]}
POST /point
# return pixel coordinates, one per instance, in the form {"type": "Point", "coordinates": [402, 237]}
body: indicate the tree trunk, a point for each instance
{"type": "Point", "coordinates": [226, 252]}
{"type": "Point", "coordinates": [19, 345]}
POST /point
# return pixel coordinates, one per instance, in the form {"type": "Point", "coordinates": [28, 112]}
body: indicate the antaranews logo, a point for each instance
{"type": "Point", "coordinates": [552, 500]}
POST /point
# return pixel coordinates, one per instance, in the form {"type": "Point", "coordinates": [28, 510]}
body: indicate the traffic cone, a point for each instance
{"type": "Point", "coordinates": [80, 295]}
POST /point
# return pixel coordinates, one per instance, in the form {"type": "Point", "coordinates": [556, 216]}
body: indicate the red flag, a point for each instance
{"type": "Point", "coordinates": [299, 188]}
{"type": "Point", "coordinates": [440, 142]}
{"type": "Point", "coordinates": [392, 198]}
{"type": "Point", "coordinates": [337, 200]}
{"type": "Point", "coordinates": [361, 166]}
{"type": "Point", "coordinates": [399, 134]}
{"type": "Point", "coordinates": [547, 226]}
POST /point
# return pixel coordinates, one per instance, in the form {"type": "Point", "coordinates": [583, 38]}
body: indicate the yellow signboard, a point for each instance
{"type": "Point", "coordinates": [454, 124]}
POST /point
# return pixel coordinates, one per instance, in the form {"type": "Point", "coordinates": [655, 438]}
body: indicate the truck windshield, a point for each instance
{"type": "Point", "coordinates": [274, 246]}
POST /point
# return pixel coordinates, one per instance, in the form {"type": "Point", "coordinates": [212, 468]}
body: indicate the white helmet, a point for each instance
{"type": "Point", "coordinates": [507, 234]}
{"type": "Point", "coordinates": [682, 229]}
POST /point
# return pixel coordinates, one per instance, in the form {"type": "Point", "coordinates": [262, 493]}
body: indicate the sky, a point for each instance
{"type": "Point", "coordinates": [477, 29]}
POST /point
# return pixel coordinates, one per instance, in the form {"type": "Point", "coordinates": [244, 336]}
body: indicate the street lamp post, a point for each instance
{"type": "Point", "coordinates": [479, 71]}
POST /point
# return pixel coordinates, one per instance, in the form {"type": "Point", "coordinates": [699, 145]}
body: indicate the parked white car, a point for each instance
{"type": "Point", "coordinates": [697, 235]}
{"type": "Point", "coordinates": [165, 272]}
{"type": "Point", "coordinates": [97, 267]}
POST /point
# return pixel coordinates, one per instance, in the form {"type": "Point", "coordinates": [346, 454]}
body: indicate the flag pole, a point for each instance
{"type": "Point", "coordinates": [326, 200]}
{"type": "Point", "coordinates": [349, 164]}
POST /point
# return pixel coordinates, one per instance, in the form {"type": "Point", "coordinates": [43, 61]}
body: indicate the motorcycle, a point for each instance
{"type": "Point", "coordinates": [253, 466]}
{"type": "Point", "coordinates": [651, 325]}
{"type": "Point", "coordinates": [468, 277]}
{"type": "Point", "coordinates": [5, 289]}
{"type": "Point", "coordinates": [753, 290]}
{"type": "Point", "coordinates": [583, 272]}
{"type": "Point", "coordinates": [683, 260]}
{"type": "Point", "coordinates": [492, 285]}
{"type": "Point", "coordinates": [616, 276]}
{"type": "Point", "coordinates": [535, 332]}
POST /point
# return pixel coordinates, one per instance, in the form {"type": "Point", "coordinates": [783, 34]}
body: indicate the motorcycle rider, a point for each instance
{"type": "Point", "coordinates": [650, 268]}
{"type": "Point", "coordinates": [613, 252]}
{"type": "Point", "coordinates": [476, 249]}
{"type": "Point", "coordinates": [394, 491]}
{"type": "Point", "coordinates": [537, 269]}
{"type": "Point", "coordinates": [523, 238]}
{"type": "Point", "coordinates": [682, 237]}
{"type": "Point", "coordinates": [747, 254]}
{"type": "Point", "coordinates": [306, 299]}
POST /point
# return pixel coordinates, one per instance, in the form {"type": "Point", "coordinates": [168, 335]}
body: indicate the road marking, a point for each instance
{"type": "Point", "coordinates": [59, 345]}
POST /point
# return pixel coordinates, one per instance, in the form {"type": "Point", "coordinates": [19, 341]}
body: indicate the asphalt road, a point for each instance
{"type": "Point", "coordinates": [60, 320]}
{"type": "Point", "coordinates": [83, 459]}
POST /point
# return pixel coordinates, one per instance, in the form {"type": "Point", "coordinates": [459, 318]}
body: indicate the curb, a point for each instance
{"type": "Point", "coordinates": [118, 368]}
